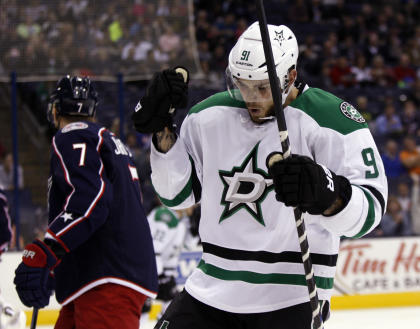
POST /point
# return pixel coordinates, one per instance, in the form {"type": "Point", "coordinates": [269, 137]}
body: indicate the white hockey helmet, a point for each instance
{"type": "Point", "coordinates": [247, 61]}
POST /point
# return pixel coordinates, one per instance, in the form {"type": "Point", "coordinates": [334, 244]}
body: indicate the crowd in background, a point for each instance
{"type": "Point", "coordinates": [367, 52]}
{"type": "Point", "coordinates": [133, 37]}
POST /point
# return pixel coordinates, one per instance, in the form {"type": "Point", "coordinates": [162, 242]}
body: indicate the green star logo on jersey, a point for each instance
{"type": "Point", "coordinates": [245, 187]}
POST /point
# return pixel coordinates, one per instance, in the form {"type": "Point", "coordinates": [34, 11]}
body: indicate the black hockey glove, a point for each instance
{"type": "Point", "coordinates": [166, 90]}
{"type": "Point", "coordinates": [167, 287]}
{"type": "Point", "coordinates": [301, 182]}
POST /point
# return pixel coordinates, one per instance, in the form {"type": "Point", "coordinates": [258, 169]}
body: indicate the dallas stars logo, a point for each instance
{"type": "Point", "coordinates": [350, 112]}
{"type": "Point", "coordinates": [245, 187]}
{"type": "Point", "coordinates": [279, 37]}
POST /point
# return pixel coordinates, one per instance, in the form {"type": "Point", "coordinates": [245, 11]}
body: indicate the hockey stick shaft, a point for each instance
{"type": "Point", "coordinates": [285, 144]}
{"type": "Point", "coordinates": [34, 318]}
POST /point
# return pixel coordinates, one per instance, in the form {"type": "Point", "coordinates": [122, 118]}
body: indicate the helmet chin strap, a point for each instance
{"type": "Point", "coordinates": [284, 95]}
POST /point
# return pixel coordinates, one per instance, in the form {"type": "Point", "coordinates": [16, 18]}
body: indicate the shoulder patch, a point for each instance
{"type": "Point", "coordinates": [329, 111]}
{"type": "Point", "coordinates": [74, 126]}
{"type": "Point", "coordinates": [219, 99]}
{"type": "Point", "coordinates": [350, 112]}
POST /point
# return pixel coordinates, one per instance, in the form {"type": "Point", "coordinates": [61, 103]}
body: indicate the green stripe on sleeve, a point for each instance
{"type": "Point", "coordinates": [260, 278]}
{"type": "Point", "coordinates": [370, 218]}
{"type": "Point", "coordinates": [180, 197]}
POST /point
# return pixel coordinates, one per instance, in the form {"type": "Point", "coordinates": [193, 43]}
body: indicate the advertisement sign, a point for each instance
{"type": "Point", "coordinates": [372, 266]}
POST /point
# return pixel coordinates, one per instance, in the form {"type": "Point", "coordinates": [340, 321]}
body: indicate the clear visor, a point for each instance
{"type": "Point", "coordinates": [249, 91]}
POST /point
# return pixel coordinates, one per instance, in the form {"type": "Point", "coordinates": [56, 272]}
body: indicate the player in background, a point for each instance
{"type": "Point", "coordinates": [169, 233]}
{"type": "Point", "coordinates": [10, 318]}
{"type": "Point", "coordinates": [5, 223]}
{"type": "Point", "coordinates": [98, 245]}
{"type": "Point", "coordinates": [251, 274]}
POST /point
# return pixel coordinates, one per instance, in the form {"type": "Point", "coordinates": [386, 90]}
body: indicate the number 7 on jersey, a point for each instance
{"type": "Point", "coordinates": [82, 147]}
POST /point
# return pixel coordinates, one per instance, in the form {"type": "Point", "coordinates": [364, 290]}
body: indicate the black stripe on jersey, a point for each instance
{"type": "Point", "coordinates": [377, 195]}
{"type": "Point", "coordinates": [196, 185]}
{"type": "Point", "coordinates": [268, 257]}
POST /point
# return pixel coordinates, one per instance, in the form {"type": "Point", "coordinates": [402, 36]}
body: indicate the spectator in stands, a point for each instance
{"type": "Point", "coordinates": [299, 11]}
{"type": "Point", "coordinates": [388, 123]}
{"type": "Point", "coordinates": [169, 41]}
{"type": "Point", "coordinates": [410, 155]}
{"type": "Point", "coordinates": [379, 71]}
{"type": "Point", "coordinates": [341, 74]}
{"type": "Point", "coordinates": [415, 204]}
{"type": "Point", "coordinates": [373, 47]}
{"type": "Point", "coordinates": [326, 76]}
{"type": "Point", "coordinates": [404, 197]}
{"type": "Point", "coordinates": [361, 71]}
{"type": "Point", "coordinates": [395, 222]}
{"type": "Point", "coordinates": [163, 8]}
{"type": "Point", "coordinates": [363, 108]}
{"type": "Point", "coordinates": [179, 8]}
{"type": "Point", "coordinates": [7, 173]}
{"type": "Point", "coordinates": [394, 168]}
{"type": "Point", "coordinates": [415, 92]}
{"type": "Point", "coordinates": [310, 55]}
{"type": "Point", "coordinates": [404, 74]}
{"type": "Point", "coordinates": [410, 118]}
{"type": "Point", "coordinates": [219, 61]}
{"type": "Point", "coordinates": [413, 48]}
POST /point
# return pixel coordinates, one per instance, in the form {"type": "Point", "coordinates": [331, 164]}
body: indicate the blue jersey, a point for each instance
{"type": "Point", "coordinates": [96, 214]}
{"type": "Point", "coordinates": [5, 223]}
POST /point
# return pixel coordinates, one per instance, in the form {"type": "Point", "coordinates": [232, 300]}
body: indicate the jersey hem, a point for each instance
{"type": "Point", "coordinates": [250, 309]}
{"type": "Point", "coordinates": [105, 280]}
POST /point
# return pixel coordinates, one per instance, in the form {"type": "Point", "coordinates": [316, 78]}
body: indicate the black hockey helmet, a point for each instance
{"type": "Point", "coordinates": [73, 96]}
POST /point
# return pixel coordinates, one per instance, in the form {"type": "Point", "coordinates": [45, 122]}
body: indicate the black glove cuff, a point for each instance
{"type": "Point", "coordinates": [344, 193]}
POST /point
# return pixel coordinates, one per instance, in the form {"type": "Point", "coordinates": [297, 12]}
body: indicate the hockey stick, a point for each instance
{"type": "Point", "coordinates": [34, 318]}
{"type": "Point", "coordinates": [285, 144]}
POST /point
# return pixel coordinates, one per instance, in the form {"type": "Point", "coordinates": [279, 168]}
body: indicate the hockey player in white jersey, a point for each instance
{"type": "Point", "coordinates": [251, 275]}
{"type": "Point", "coordinates": [168, 232]}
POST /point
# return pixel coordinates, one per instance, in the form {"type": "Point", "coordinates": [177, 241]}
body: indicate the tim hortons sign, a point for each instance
{"type": "Point", "coordinates": [369, 266]}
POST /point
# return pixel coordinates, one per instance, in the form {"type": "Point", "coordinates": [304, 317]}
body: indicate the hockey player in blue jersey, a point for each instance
{"type": "Point", "coordinates": [98, 245]}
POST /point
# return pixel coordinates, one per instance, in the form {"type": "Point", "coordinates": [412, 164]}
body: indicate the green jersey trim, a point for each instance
{"type": "Point", "coordinates": [219, 99]}
{"type": "Point", "coordinates": [166, 216]}
{"type": "Point", "coordinates": [370, 217]}
{"type": "Point", "coordinates": [329, 111]}
{"type": "Point", "coordinates": [181, 196]}
{"type": "Point", "coordinates": [260, 278]}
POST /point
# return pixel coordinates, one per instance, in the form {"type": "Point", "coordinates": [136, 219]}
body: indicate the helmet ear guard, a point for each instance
{"type": "Point", "coordinates": [73, 96]}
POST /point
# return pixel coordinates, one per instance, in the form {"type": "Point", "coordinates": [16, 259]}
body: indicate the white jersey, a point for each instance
{"type": "Point", "coordinates": [251, 256]}
{"type": "Point", "coordinates": [168, 234]}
